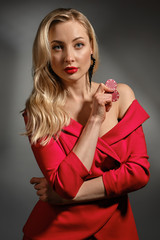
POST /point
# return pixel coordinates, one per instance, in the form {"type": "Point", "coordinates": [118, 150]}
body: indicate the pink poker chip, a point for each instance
{"type": "Point", "coordinates": [111, 83]}
{"type": "Point", "coordinates": [115, 96]}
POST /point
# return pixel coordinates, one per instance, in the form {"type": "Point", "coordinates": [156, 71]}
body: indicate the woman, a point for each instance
{"type": "Point", "coordinates": [91, 150]}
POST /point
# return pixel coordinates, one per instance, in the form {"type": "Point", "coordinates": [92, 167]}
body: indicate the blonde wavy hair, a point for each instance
{"type": "Point", "coordinates": [45, 106]}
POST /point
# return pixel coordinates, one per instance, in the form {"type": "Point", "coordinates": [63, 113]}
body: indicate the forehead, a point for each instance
{"type": "Point", "coordinates": [67, 30]}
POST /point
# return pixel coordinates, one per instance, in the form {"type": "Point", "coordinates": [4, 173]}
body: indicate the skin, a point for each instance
{"type": "Point", "coordinates": [93, 108]}
{"type": "Point", "coordinates": [70, 46]}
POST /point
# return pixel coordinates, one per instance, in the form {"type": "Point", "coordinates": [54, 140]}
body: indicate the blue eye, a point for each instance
{"type": "Point", "coordinates": [79, 45]}
{"type": "Point", "coordinates": [57, 47]}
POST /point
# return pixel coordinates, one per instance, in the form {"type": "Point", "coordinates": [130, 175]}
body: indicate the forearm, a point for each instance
{"type": "Point", "coordinates": [86, 145]}
{"type": "Point", "coordinates": [67, 178]}
{"type": "Point", "coordinates": [66, 166]}
{"type": "Point", "coordinates": [91, 190]}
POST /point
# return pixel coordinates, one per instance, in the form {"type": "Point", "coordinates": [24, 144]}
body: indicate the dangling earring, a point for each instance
{"type": "Point", "coordinates": [50, 69]}
{"type": "Point", "coordinates": [53, 74]}
{"type": "Point", "coordinates": [91, 68]}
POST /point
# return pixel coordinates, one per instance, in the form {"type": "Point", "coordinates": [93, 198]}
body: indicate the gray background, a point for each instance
{"type": "Point", "coordinates": [129, 38]}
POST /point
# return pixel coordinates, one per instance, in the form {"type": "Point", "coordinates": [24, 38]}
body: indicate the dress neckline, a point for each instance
{"type": "Point", "coordinates": [132, 119]}
{"type": "Point", "coordinates": [81, 126]}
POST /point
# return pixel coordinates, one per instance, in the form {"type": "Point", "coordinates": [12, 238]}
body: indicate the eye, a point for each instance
{"type": "Point", "coordinates": [79, 45]}
{"type": "Point", "coordinates": [57, 47]}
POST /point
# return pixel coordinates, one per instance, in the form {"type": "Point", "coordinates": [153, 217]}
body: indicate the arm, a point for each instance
{"type": "Point", "coordinates": [102, 102]}
{"type": "Point", "coordinates": [90, 190]}
{"type": "Point", "coordinates": [132, 174]}
{"type": "Point", "coordinates": [66, 174]}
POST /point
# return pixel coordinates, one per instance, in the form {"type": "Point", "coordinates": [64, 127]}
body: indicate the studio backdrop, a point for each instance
{"type": "Point", "coordinates": [129, 40]}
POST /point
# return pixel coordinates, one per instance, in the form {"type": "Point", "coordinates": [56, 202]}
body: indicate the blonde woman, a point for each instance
{"type": "Point", "coordinates": [91, 151]}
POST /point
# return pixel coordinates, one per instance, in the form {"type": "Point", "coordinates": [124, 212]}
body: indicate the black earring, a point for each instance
{"type": "Point", "coordinates": [50, 69]}
{"type": "Point", "coordinates": [52, 73]}
{"type": "Point", "coordinates": [91, 68]}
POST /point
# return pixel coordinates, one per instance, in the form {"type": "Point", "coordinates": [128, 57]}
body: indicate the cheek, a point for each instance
{"type": "Point", "coordinates": [55, 61]}
{"type": "Point", "coordinates": [85, 58]}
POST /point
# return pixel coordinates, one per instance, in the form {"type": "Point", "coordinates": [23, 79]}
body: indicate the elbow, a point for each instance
{"type": "Point", "coordinates": [66, 191]}
{"type": "Point", "coordinates": [143, 179]}
{"type": "Point", "coordinates": [140, 175]}
{"type": "Point", "coordinates": [66, 195]}
{"type": "Point", "coordinates": [145, 176]}
{"type": "Point", "coordinates": [67, 185]}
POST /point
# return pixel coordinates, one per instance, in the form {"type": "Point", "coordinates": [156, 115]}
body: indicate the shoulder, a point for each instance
{"type": "Point", "coordinates": [126, 98]}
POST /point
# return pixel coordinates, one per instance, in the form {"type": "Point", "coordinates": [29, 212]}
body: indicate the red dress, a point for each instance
{"type": "Point", "coordinates": [120, 157]}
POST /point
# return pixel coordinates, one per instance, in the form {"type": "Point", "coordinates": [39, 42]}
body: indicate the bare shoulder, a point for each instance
{"type": "Point", "coordinates": [126, 98]}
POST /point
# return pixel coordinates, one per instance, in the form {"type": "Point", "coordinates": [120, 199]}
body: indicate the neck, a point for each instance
{"type": "Point", "coordinates": [79, 90]}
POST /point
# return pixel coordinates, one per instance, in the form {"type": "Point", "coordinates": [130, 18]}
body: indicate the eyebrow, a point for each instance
{"type": "Point", "coordinates": [58, 41]}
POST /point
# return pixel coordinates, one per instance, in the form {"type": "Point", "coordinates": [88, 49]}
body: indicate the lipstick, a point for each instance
{"type": "Point", "coordinates": [71, 70]}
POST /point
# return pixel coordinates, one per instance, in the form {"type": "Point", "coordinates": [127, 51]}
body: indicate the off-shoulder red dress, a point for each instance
{"type": "Point", "coordinates": [120, 157]}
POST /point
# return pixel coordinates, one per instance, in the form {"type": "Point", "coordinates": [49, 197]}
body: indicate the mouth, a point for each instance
{"type": "Point", "coordinates": [71, 70]}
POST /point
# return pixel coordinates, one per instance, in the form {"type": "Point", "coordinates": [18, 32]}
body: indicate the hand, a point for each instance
{"type": "Point", "coordinates": [102, 102]}
{"type": "Point", "coordinates": [90, 190]}
{"type": "Point", "coordinates": [45, 191]}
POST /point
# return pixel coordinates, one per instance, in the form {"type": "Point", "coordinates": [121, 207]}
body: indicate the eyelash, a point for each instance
{"type": "Point", "coordinates": [59, 47]}
{"type": "Point", "coordinates": [79, 44]}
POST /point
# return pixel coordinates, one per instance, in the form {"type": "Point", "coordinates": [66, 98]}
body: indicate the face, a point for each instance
{"type": "Point", "coordinates": [70, 51]}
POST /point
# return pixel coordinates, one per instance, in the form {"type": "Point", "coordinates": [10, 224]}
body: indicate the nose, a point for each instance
{"type": "Point", "coordinates": [69, 56]}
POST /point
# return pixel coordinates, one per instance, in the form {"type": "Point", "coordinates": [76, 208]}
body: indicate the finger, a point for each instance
{"type": "Point", "coordinates": [38, 187]}
{"type": "Point", "coordinates": [108, 106]}
{"type": "Point", "coordinates": [103, 99]}
{"type": "Point", "coordinates": [107, 99]}
{"type": "Point", "coordinates": [103, 88]}
{"type": "Point", "coordinates": [41, 185]}
{"type": "Point", "coordinates": [43, 198]}
{"type": "Point", "coordinates": [41, 192]}
{"type": "Point", "coordinates": [36, 180]}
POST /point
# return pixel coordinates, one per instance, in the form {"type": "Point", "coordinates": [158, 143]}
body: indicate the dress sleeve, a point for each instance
{"type": "Point", "coordinates": [133, 173]}
{"type": "Point", "coordinates": [66, 173]}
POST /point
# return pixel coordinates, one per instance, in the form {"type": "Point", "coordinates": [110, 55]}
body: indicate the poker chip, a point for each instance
{"type": "Point", "coordinates": [115, 96]}
{"type": "Point", "coordinates": [111, 83]}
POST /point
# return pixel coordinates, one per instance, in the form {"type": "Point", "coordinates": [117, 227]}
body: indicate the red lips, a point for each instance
{"type": "Point", "coordinates": [71, 70]}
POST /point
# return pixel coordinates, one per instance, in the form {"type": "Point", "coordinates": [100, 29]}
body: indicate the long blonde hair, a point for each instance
{"type": "Point", "coordinates": [45, 106]}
